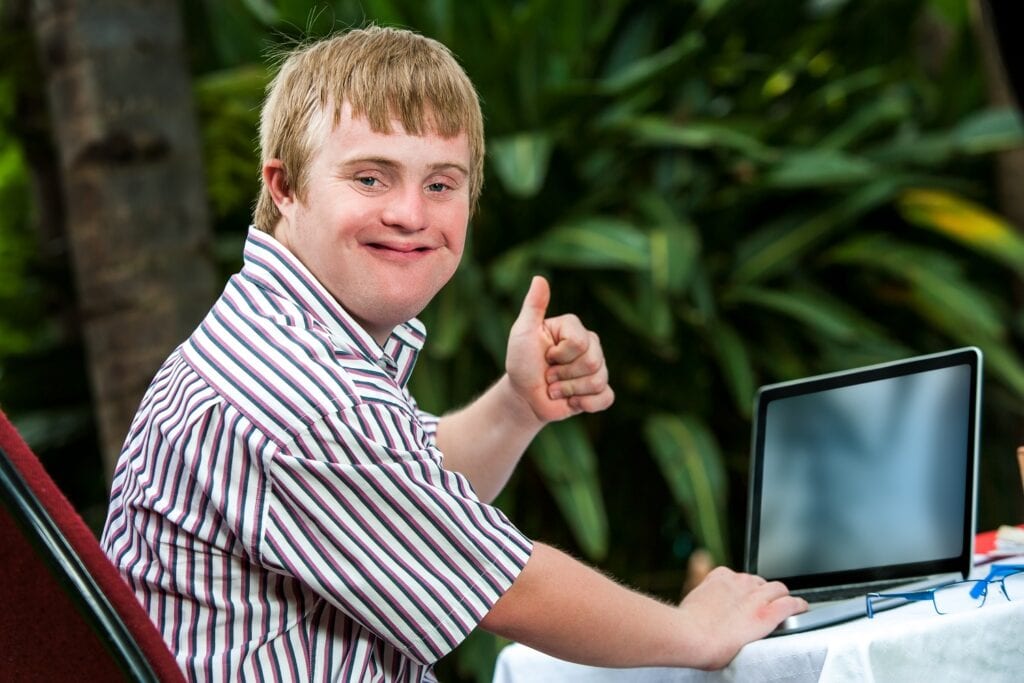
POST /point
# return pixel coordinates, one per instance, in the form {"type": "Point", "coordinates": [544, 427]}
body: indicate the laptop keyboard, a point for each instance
{"type": "Point", "coordinates": [833, 593]}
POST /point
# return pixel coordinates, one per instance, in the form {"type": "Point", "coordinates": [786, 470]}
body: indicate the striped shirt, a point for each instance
{"type": "Point", "coordinates": [280, 506]}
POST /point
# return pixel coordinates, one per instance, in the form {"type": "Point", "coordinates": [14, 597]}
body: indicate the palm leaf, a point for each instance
{"type": "Point", "coordinates": [674, 251]}
{"type": "Point", "coordinates": [689, 459]}
{"type": "Point", "coordinates": [645, 309]}
{"type": "Point", "coordinates": [786, 249]}
{"type": "Point", "coordinates": [521, 161]}
{"type": "Point", "coordinates": [812, 308]}
{"type": "Point", "coordinates": [965, 222]}
{"type": "Point", "coordinates": [734, 362]}
{"type": "Point", "coordinates": [819, 168]}
{"type": "Point", "coordinates": [566, 460]}
{"type": "Point", "coordinates": [991, 130]}
{"type": "Point", "coordinates": [938, 288]}
{"type": "Point", "coordinates": [594, 242]}
{"type": "Point", "coordinates": [662, 132]}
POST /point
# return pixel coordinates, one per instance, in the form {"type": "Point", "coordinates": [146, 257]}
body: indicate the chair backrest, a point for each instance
{"type": "Point", "coordinates": [65, 611]}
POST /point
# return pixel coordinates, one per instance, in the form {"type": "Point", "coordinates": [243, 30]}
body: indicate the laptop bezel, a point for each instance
{"type": "Point", "coordinates": [960, 564]}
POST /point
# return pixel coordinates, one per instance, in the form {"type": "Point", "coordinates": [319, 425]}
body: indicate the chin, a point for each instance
{"type": "Point", "coordinates": [393, 317]}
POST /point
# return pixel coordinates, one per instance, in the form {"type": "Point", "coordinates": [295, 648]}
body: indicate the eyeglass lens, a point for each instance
{"type": "Point", "coordinates": [1013, 586]}
{"type": "Point", "coordinates": [959, 597]}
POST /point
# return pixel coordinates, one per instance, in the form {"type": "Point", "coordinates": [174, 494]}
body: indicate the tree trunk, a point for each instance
{"type": "Point", "coordinates": [998, 23]}
{"type": "Point", "coordinates": [121, 108]}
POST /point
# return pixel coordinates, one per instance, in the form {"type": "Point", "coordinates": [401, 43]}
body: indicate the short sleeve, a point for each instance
{"type": "Point", "coordinates": [361, 510]}
{"type": "Point", "coordinates": [429, 423]}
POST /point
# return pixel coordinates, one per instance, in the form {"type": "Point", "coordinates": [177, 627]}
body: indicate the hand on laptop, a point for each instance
{"type": "Point", "coordinates": [730, 609]}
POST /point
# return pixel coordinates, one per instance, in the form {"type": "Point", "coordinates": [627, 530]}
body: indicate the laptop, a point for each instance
{"type": "Point", "coordinates": [865, 480]}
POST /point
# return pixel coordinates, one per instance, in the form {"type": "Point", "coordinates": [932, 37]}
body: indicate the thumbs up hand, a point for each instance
{"type": "Point", "coordinates": [555, 365]}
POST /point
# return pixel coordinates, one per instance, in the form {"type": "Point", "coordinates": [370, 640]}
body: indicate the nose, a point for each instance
{"type": "Point", "coordinates": [406, 209]}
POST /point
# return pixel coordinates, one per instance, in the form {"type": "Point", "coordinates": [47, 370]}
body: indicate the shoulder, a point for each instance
{"type": "Point", "coordinates": [270, 358]}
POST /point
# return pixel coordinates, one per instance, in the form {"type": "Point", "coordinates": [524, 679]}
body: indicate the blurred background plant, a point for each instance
{"type": "Point", "coordinates": [730, 193]}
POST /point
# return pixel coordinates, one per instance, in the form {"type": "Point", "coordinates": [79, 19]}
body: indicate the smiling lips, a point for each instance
{"type": "Point", "coordinates": [399, 252]}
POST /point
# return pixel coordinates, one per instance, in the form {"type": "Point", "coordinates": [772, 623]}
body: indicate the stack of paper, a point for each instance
{"type": "Point", "coordinates": [1010, 540]}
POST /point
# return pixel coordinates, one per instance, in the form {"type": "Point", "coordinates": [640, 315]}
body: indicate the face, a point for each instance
{"type": "Point", "coordinates": [382, 223]}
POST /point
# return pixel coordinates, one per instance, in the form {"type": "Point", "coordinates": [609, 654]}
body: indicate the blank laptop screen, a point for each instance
{"type": "Point", "coordinates": [866, 475]}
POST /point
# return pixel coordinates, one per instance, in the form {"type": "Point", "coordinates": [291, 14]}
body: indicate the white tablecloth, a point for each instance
{"type": "Point", "coordinates": [908, 643]}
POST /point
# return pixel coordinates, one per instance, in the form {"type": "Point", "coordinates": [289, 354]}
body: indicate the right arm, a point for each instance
{"type": "Point", "coordinates": [562, 607]}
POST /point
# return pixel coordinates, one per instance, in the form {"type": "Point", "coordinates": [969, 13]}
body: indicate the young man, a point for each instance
{"type": "Point", "coordinates": [282, 507]}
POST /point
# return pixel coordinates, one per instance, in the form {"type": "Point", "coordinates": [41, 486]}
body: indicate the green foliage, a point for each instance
{"type": "Point", "coordinates": [15, 251]}
{"type": "Point", "coordinates": [689, 460]}
{"type": "Point", "coordinates": [566, 459]}
{"type": "Point", "coordinates": [730, 193]}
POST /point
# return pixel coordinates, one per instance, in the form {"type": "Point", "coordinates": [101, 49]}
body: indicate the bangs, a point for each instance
{"type": "Point", "coordinates": [417, 91]}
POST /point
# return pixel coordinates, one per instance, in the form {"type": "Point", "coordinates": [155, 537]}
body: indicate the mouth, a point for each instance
{"type": "Point", "coordinates": [401, 252]}
{"type": "Point", "coordinates": [401, 248]}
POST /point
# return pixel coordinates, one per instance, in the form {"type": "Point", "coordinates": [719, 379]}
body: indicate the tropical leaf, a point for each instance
{"type": "Point", "coordinates": [674, 251]}
{"type": "Point", "coordinates": [837, 91]}
{"type": "Point", "coordinates": [913, 149]}
{"type": "Point", "coordinates": [645, 311]}
{"type": "Point", "coordinates": [660, 132]}
{"type": "Point", "coordinates": [643, 70]}
{"type": "Point", "coordinates": [594, 242]}
{"type": "Point", "coordinates": [987, 131]}
{"type": "Point", "coordinates": [263, 10]}
{"type": "Point", "coordinates": [451, 315]}
{"type": "Point", "coordinates": [965, 222]}
{"type": "Point", "coordinates": [568, 465]}
{"type": "Point", "coordinates": [887, 110]}
{"type": "Point", "coordinates": [938, 289]}
{"type": "Point", "coordinates": [492, 326]}
{"type": "Point", "coordinates": [785, 250]}
{"type": "Point", "coordinates": [819, 168]}
{"type": "Point", "coordinates": [521, 161]}
{"type": "Point", "coordinates": [734, 362]}
{"type": "Point", "coordinates": [691, 463]}
{"type": "Point", "coordinates": [811, 308]}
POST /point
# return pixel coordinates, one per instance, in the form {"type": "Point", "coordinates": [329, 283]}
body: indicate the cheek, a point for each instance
{"type": "Point", "coordinates": [455, 236]}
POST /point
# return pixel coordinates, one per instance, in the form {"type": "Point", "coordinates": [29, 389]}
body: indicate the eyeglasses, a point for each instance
{"type": "Point", "coordinates": [963, 595]}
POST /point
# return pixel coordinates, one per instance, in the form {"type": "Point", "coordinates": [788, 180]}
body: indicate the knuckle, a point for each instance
{"type": "Point", "coordinates": [592, 365]}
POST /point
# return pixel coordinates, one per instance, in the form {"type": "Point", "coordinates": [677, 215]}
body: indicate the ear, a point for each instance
{"type": "Point", "coordinates": [276, 179]}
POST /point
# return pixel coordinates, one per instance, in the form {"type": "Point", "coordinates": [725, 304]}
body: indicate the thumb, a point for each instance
{"type": "Point", "coordinates": [535, 304]}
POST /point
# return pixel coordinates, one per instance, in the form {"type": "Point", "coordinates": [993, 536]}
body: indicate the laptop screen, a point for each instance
{"type": "Point", "coordinates": [866, 474]}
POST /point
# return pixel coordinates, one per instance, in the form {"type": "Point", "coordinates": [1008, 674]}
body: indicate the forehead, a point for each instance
{"type": "Point", "coordinates": [353, 137]}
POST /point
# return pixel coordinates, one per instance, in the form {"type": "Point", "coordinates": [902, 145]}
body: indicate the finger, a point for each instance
{"type": "Point", "coordinates": [571, 337]}
{"type": "Point", "coordinates": [578, 384]}
{"type": "Point", "coordinates": [751, 579]}
{"type": "Point", "coordinates": [588, 361]}
{"type": "Point", "coordinates": [593, 403]}
{"type": "Point", "coordinates": [774, 589]}
{"type": "Point", "coordinates": [777, 610]}
{"type": "Point", "coordinates": [535, 304]}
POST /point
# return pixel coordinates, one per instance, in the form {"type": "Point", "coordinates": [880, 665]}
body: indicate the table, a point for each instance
{"type": "Point", "coordinates": [907, 643]}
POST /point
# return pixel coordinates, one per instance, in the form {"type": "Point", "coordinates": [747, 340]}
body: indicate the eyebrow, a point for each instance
{"type": "Point", "coordinates": [392, 164]}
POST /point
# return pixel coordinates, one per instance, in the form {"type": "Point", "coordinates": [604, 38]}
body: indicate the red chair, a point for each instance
{"type": "Point", "coordinates": [65, 612]}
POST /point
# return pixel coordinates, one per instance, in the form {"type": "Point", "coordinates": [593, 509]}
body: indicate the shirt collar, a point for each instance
{"type": "Point", "coordinates": [271, 264]}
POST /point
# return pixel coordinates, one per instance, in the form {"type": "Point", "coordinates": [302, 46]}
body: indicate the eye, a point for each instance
{"type": "Point", "coordinates": [368, 181]}
{"type": "Point", "coordinates": [437, 187]}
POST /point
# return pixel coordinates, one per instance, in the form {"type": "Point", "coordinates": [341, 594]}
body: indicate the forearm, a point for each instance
{"type": "Point", "coordinates": [566, 609]}
{"type": "Point", "coordinates": [485, 440]}
{"type": "Point", "coordinates": [559, 606]}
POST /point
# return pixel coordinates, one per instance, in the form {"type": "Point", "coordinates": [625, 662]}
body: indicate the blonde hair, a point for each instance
{"type": "Point", "coordinates": [383, 74]}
